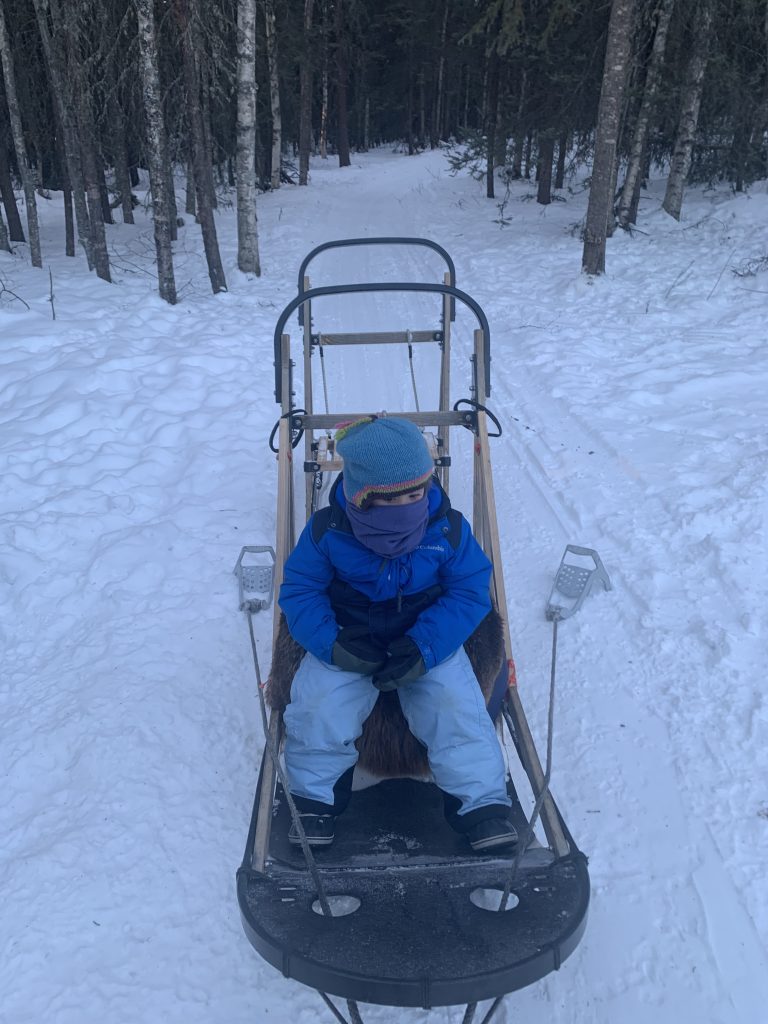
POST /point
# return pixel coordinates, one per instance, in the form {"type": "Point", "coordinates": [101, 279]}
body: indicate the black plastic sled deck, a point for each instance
{"type": "Point", "coordinates": [416, 919]}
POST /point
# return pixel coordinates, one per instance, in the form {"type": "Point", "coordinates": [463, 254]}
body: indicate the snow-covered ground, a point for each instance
{"type": "Point", "coordinates": [134, 465]}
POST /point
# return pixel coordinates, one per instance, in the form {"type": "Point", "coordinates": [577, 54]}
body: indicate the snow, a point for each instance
{"type": "Point", "coordinates": [135, 465]}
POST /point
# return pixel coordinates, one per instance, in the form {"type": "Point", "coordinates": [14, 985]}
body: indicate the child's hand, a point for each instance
{"type": "Point", "coordinates": [356, 651]}
{"type": "Point", "coordinates": [404, 664]}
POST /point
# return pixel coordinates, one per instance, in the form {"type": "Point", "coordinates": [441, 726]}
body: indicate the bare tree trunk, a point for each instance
{"type": "Point", "coordinates": [157, 147]}
{"type": "Point", "coordinates": [92, 171]}
{"type": "Point", "coordinates": [56, 63]}
{"type": "Point", "coordinates": [120, 153]}
{"type": "Point", "coordinates": [305, 99]}
{"type": "Point", "coordinates": [520, 133]}
{"type": "Point", "coordinates": [273, 63]}
{"type": "Point", "coordinates": [190, 205]}
{"type": "Point", "coordinates": [527, 152]}
{"type": "Point", "coordinates": [170, 190]}
{"type": "Point", "coordinates": [544, 168]}
{"type": "Point", "coordinates": [739, 151]}
{"type": "Point", "coordinates": [5, 245]}
{"type": "Point", "coordinates": [650, 92]}
{"type": "Point", "coordinates": [324, 88]}
{"type": "Point", "coordinates": [247, 232]}
{"type": "Point", "coordinates": [27, 173]}
{"type": "Point", "coordinates": [73, 61]}
{"type": "Point", "coordinates": [205, 104]}
{"type": "Point", "coordinates": [203, 174]}
{"type": "Point", "coordinates": [562, 149]}
{"type": "Point", "coordinates": [7, 195]}
{"type": "Point", "coordinates": [342, 73]}
{"type": "Point", "coordinates": [465, 106]}
{"type": "Point", "coordinates": [422, 109]}
{"type": "Point", "coordinates": [642, 178]}
{"type": "Point", "coordinates": [689, 112]}
{"type": "Point", "coordinates": [409, 114]}
{"type": "Point", "coordinates": [600, 206]}
{"type": "Point", "coordinates": [439, 88]}
{"type": "Point", "coordinates": [69, 221]}
{"type": "Point", "coordinates": [490, 131]}
{"type": "Point", "coordinates": [106, 209]}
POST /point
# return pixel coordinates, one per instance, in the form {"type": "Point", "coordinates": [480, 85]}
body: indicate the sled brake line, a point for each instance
{"type": "Point", "coordinates": [273, 753]}
{"type": "Point", "coordinates": [528, 832]}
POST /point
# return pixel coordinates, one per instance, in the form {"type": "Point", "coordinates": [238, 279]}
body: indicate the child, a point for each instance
{"type": "Point", "coordinates": [382, 591]}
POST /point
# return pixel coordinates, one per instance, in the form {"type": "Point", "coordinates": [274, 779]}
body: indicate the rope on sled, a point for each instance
{"type": "Point", "coordinates": [409, 335]}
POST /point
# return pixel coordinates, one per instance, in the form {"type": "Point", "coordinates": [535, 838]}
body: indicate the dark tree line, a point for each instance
{"type": "Point", "coordinates": [210, 96]}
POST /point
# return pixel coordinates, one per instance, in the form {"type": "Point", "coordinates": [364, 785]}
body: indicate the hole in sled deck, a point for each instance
{"type": "Point", "coordinates": [490, 899]}
{"type": "Point", "coordinates": [340, 906]}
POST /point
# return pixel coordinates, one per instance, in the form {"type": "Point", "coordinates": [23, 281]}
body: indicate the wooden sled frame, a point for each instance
{"type": "Point", "coordinates": [292, 424]}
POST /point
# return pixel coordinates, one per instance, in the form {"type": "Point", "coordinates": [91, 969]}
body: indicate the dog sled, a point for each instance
{"type": "Point", "coordinates": [398, 911]}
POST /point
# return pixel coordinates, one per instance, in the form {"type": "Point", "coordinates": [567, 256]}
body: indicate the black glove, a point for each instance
{"type": "Point", "coordinates": [356, 651]}
{"type": "Point", "coordinates": [404, 664]}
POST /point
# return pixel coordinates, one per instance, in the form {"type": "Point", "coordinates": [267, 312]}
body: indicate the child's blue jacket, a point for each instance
{"type": "Point", "coordinates": [437, 594]}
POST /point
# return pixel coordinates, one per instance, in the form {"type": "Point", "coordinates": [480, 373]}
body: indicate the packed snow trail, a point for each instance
{"type": "Point", "coordinates": [134, 454]}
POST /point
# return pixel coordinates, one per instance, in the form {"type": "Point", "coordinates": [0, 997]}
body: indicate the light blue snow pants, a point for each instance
{"type": "Point", "coordinates": [444, 709]}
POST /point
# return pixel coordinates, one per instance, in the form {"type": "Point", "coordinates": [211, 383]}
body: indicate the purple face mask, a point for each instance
{"type": "Point", "coordinates": [390, 530]}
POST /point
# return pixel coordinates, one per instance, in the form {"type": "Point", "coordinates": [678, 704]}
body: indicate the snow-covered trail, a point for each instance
{"type": "Point", "coordinates": [574, 481]}
{"type": "Point", "coordinates": [625, 772]}
{"type": "Point", "coordinates": [133, 448]}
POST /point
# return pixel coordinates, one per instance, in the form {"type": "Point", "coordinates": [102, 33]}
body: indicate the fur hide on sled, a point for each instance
{"type": "Point", "coordinates": [387, 747]}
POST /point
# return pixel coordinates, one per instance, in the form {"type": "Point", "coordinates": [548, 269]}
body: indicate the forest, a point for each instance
{"type": "Point", "coordinates": [219, 101]}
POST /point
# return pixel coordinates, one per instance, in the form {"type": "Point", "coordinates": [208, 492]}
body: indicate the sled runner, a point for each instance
{"type": "Point", "coordinates": [399, 911]}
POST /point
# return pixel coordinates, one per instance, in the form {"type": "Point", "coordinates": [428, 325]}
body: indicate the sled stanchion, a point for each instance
{"type": "Point", "coordinates": [308, 398]}
{"type": "Point", "coordinates": [445, 383]}
{"type": "Point", "coordinates": [530, 758]}
{"type": "Point", "coordinates": [283, 545]}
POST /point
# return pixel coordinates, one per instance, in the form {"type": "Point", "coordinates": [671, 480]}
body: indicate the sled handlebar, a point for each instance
{"type": "Point", "coordinates": [388, 286]}
{"type": "Point", "coordinates": [341, 243]}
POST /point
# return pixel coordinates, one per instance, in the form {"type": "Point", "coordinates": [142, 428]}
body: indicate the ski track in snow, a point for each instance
{"type": "Point", "coordinates": [134, 458]}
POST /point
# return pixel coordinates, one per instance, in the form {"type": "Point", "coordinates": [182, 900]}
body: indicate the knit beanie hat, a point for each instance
{"type": "Point", "coordinates": [383, 457]}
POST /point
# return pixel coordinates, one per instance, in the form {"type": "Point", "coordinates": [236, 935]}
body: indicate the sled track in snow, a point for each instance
{"type": "Point", "coordinates": [695, 897]}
